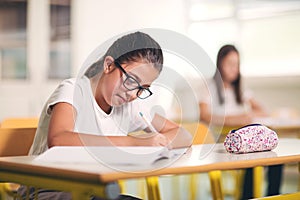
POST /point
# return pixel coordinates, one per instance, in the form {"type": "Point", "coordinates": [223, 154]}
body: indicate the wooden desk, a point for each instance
{"type": "Point", "coordinates": [86, 179]}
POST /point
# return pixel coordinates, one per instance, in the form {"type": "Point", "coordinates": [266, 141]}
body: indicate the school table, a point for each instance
{"type": "Point", "coordinates": [285, 128]}
{"type": "Point", "coordinates": [84, 179]}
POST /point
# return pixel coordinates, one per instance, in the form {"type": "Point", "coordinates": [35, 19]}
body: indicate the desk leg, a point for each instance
{"type": "Point", "coordinates": [141, 188]}
{"type": "Point", "coordinates": [2, 191]}
{"type": "Point", "coordinates": [215, 184]}
{"type": "Point", "coordinates": [122, 185]}
{"type": "Point", "coordinates": [193, 185]}
{"type": "Point", "coordinates": [257, 181]}
{"type": "Point", "coordinates": [153, 188]}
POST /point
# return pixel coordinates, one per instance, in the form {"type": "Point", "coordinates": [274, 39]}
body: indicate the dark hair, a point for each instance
{"type": "Point", "coordinates": [223, 52]}
{"type": "Point", "coordinates": [131, 47]}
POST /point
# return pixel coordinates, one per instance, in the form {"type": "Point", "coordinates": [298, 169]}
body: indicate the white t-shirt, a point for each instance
{"type": "Point", "coordinates": [90, 118]}
{"type": "Point", "coordinates": [209, 95]}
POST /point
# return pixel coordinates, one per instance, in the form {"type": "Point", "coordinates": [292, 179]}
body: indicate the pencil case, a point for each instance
{"type": "Point", "coordinates": [251, 138]}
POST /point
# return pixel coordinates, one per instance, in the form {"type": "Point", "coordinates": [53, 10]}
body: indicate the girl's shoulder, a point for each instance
{"type": "Point", "coordinates": [210, 85]}
{"type": "Point", "coordinates": [67, 83]}
{"type": "Point", "coordinates": [74, 81]}
{"type": "Point", "coordinates": [74, 84]}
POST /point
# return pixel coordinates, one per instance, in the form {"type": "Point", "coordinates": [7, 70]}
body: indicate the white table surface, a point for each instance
{"type": "Point", "coordinates": [199, 158]}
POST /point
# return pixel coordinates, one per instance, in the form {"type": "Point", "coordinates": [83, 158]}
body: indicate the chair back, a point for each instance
{"type": "Point", "coordinates": [200, 132]}
{"type": "Point", "coordinates": [26, 122]}
{"type": "Point", "coordinates": [16, 141]}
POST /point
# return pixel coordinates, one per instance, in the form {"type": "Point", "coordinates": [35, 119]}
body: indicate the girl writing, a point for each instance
{"type": "Point", "coordinates": [99, 108]}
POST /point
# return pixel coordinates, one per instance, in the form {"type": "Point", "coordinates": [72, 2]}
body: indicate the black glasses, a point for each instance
{"type": "Point", "coordinates": [131, 83]}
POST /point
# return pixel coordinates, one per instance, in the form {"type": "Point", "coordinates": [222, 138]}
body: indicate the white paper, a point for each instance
{"type": "Point", "coordinates": [108, 155]}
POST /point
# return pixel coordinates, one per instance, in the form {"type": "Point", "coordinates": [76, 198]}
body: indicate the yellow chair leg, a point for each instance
{"type": "Point", "coordinates": [2, 191]}
{"type": "Point", "coordinates": [193, 184]}
{"type": "Point", "coordinates": [257, 181]}
{"type": "Point", "coordinates": [11, 189]}
{"type": "Point", "coordinates": [215, 184]}
{"type": "Point", "coordinates": [153, 188]}
{"type": "Point", "coordinates": [122, 185]}
{"type": "Point", "coordinates": [239, 174]}
{"type": "Point", "coordinates": [141, 188]}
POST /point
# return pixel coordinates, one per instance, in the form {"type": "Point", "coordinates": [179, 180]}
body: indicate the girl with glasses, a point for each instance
{"type": "Point", "coordinates": [99, 108]}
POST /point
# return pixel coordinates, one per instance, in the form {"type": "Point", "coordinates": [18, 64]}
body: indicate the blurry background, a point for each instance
{"type": "Point", "coordinates": [43, 42]}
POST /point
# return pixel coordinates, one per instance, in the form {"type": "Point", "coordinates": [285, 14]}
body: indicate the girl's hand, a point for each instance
{"type": "Point", "coordinates": [247, 119]}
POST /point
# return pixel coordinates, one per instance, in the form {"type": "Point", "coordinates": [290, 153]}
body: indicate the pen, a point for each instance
{"type": "Point", "coordinates": [148, 123]}
{"type": "Point", "coordinates": [169, 146]}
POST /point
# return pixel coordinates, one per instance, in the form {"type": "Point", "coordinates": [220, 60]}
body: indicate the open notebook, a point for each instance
{"type": "Point", "coordinates": [140, 155]}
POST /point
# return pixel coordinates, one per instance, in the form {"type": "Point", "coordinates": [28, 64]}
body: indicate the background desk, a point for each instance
{"type": "Point", "coordinates": [282, 128]}
{"type": "Point", "coordinates": [86, 179]}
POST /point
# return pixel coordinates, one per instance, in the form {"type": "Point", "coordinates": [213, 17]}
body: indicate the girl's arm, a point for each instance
{"type": "Point", "coordinates": [230, 120]}
{"type": "Point", "coordinates": [257, 109]}
{"type": "Point", "coordinates": [61, 132]}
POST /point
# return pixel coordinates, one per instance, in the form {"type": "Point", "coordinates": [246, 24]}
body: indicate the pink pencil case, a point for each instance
{"type": "Point", "coordinates": [251, 138]}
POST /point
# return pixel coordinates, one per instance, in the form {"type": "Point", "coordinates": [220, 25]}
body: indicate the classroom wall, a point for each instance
{"type": "Point", "coordinates": [276, 93]}
{"type": "Point", "coordinates": [96, 21]}
{"type": "Point", "coordinates": [93, 22]}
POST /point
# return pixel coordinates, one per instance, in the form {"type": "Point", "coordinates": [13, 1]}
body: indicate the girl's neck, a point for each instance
{"type": "Point", "coordinates": [98, 97]}
{"type": "Point", "coordinates": [94, 83]}
{"type": "Point", "coordinates": [227, 84]}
